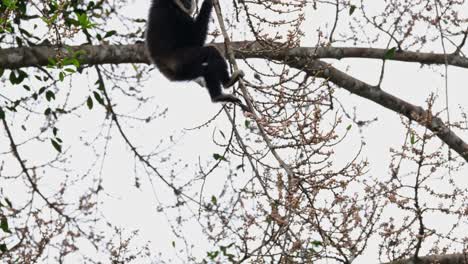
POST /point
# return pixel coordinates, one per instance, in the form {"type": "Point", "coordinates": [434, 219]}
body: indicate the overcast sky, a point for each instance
{"type": "Point", "coordinates": [189, 106]}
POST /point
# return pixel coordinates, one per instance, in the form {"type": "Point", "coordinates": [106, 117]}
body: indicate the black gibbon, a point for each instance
{"type": "Point", "coordinates": [175, 42]}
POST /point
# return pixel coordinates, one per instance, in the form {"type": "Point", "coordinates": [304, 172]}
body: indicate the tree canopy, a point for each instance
{"type": "Point", "coordinates": [355, 149]}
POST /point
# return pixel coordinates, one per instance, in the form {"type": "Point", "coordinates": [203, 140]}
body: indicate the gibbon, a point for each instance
{"type": "Point", "coordinates": [175, 42]}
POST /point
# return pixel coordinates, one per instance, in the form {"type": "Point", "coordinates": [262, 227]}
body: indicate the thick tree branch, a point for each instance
{"type": "Point", "coordinates": [38, 56]}
{"type": "Point", "coordinates": [355, 52]}
{"type": "Point", "coordinates": [416, 113]}
{"type": "Point", "coordinates": [89, 55]}
{"type": "Point", "coordinates": [300, 58]}
{"type": "Point", "coordinates": [370, 53]}
{"type": "Point", "coordinates": [439, 259]}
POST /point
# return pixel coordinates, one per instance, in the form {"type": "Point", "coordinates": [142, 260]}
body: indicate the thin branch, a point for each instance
{"type": "Point", "coordinates": [28, 175]}
{"type": "Point", "coordinates": [245, 93]}
{"type": "Point", "coordinates": [387, 100]}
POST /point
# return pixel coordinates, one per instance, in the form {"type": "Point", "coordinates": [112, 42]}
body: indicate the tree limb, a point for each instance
{"type": "Point", "coordinates": [301, 58]}
{"type": "Point", "coordinates": [416, 113]}
{"type": "Point", "coordinates": [439, 259]}
{"type": "Point", "coordinates": [13, 58]}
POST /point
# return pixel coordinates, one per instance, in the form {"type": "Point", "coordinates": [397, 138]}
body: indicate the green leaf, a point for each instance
{"type": "Point", "coordinates": [98, 97]}
{"type": "Point", "coordinates": [61, 76]}
{"type": "Point", "coordinates": [352, 8]}
{"type": "Point", "coordinates": [110, 33]}
{"type": "Point", "coordinates": [212, 255]}
{"type": "Point", "coordinates": [52, 19]}
{"type": "Point", "coordinates": [390, 54]}
{"type": "Point", "coordinates": [412, 139]}
{"type": "Point", "coordinates": [10, 4]}
{"type": "Point", "coordinates": [173, 244]}
{"type": "Point", "coordinates": [89, 102]}
{"type": "Point", "coordinates": [53, 6]}
{"type": "Point", "coordinates": [316, 243]}
{"type": "Point", "coordinates": [52, 62]}
{"type": "Point", "coordinates": [247, 123]}
{"type": "Point", "coordinates": [49, 95]}
{"type": "Point", "coordinates": [48, 111]}
{"type": "Point", "coordinates": [2, 114]}
{"type": "Point", "coordinates": [349, 127]}
{"type": "Point", "coordinates": [84, 21]}
{"type": "Point", "coordinates": [100, 85]}
{"type": "Point", "coordinates": [3, 248]}
{"type": "Point", "coordinates": [41, 90]}
{"type": "Point", "coordinates": [56, 145]}
{"type": "Point", "coordinates": [214, 200]}
{"type": "Point", "coordinates": [71, 61]}
{"type": "Point", "coordinates": [17, 79]}
{"type": "Point", "coordinates": [4, 225]}
{"type": "Point", "coordinates": [216, 156]}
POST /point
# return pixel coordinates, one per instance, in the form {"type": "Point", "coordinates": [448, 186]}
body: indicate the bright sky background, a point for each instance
{"type": "Point", "coordinates": [189, 106]}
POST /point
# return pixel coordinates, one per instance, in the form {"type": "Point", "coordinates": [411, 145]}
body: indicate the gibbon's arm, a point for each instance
{"type": "Point", "coordinates": [201, 22]}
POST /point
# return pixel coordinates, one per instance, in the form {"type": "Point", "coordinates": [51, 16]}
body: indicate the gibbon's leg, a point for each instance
{"type": "Point", "coordinates": [190, 63]}
{"type": "Point", "coordinates": [204, 62]}
{"type": "Point", "coordinates": [214, 88]}
{"type": "Point", "coordinates": [187, 64]}
{"type": "Point", "coordinates": [235, 77]}
{"type": "Point", "coordinates": [216, 73]}
{"type": "Point", "coordinates": [223, 73]}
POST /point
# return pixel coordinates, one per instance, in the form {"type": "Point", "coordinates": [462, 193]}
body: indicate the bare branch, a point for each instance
{"type": "Point", "coordinates": [440, 259]}
{"type": "Point", "coordinates": [38, 56]}
{"type": "Point", "coordinates": [387, 100]}
{"type": "Point", "coordinates": [300, 58]}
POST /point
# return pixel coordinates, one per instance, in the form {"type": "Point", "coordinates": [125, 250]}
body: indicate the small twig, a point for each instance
{"type": "Point", "coordinates": [26, 172]}
{"type": "Point", "coordinates": [110, 108]}
{"type": "Point", "coordinates": [232, 60]}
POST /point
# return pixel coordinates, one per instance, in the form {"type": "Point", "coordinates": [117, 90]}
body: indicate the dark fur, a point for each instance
{"type": "Point", "coordinates": [175, 42]}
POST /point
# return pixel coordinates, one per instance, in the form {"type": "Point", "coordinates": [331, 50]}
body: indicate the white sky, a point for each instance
{"type": "Point", "coordinates": [189, 106]}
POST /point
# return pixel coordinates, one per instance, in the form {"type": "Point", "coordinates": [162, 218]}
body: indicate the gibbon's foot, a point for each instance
{"type": "Point", "coordinates": [229, 98]}
{"type": "Point", "coordinates": [244, 108]}
{"type": "Point", "coordinates": [226, 98]}
{"type": "Point", "coordinates": [236, 76]}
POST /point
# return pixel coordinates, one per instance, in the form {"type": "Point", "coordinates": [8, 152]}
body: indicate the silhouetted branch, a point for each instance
{"type": "Point", "coordinates": [439, 259]}
{"type": "Point", "coordinates": [301, 58]}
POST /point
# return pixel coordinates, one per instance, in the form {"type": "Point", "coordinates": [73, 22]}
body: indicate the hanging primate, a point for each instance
{"type": "Point", "coordinates": [175, 42]}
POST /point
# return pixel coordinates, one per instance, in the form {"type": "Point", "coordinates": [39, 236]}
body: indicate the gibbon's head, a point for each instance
{"type": "Point", "coordinates": [188, 6]}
